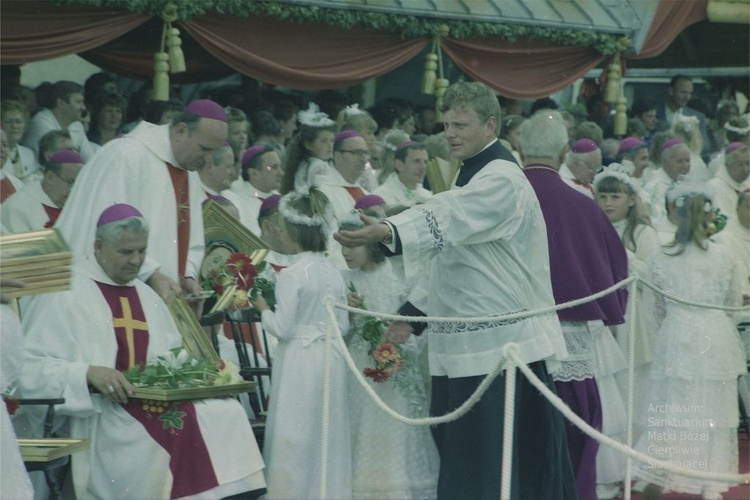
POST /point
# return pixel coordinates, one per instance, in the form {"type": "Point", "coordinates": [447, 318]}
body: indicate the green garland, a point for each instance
{"type": "Point", "coordinates": [406, 26]}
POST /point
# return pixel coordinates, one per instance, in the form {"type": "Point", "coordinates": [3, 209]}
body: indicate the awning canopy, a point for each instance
{"type": "Point", "coordinates": [532, 63]}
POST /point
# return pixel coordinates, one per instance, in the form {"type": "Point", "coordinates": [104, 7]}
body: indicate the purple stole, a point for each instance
{"type": "Point", "coordinates": [173, 425]}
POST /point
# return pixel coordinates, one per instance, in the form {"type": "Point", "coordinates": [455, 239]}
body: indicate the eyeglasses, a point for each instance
{"type": "Point", "coordinates": [355, 152]}
{"type": "Point", "coordinates": [69, 182]}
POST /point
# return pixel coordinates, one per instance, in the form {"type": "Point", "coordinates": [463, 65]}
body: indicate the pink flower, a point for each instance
{"type": "Point", "coordinates": [376, 374]}
{"type": "Point", "coordinates": [386, 353]}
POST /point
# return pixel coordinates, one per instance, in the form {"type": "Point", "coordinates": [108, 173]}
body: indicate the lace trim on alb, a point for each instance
{"type": "Point", "coordinates": [434, 227]}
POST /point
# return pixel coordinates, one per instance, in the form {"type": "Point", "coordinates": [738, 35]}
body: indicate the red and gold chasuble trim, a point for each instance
{"type": "Point", "coordinates": [53, 213]}
{"type": "Point", "coordinates": [181, 186]}
{"type": "Point", "coordinates": [174, 426]}
{"type": "Point", "coordinates": [6, 188]}
{"type": "Point", "coordinates": [355, 192]}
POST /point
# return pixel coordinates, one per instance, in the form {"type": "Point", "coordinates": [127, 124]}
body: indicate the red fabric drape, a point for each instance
{"type": "Point", "coordinates": [521, 70]}
{"type": "Point", "coordinates": [132, 55]}
{"type": "Point", "coordinates": [301, 56]}
{"type": "Point", "coordinates": [671, 19]}
{"type": "Point", "coordinates": [35, 30]}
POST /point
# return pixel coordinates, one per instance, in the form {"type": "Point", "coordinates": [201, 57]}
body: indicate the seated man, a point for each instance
{"type": "Point", "coordinates": [79, 342]}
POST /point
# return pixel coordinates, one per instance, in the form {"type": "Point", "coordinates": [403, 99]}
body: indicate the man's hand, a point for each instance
{"type": "Point", "coordinates": [372, 232]}
{"type": "Point", "coordinates": [163, 285]}
{"type": "Point", "coordinates": [193, 295]}
{"type": "Point", "coordinates": [399, 332]}
{"type": "Point", "coordinates": [111, 383]}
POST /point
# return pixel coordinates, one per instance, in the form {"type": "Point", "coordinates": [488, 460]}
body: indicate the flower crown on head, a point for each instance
{"type": "Point", "coordinates": [314, 117]}
{"type": "Point", "coordinates": [621, 171]}
{"type": "Point", "coordinates": [353, 110]}
{"type": "Point", "coordinates": [737, 130]}
{"type": "Point", "coordinates": [292, 215]}
{"type": "Point", "coordinates": [683, 189]}
{"type": "Point", "coordinates": [351, 219]}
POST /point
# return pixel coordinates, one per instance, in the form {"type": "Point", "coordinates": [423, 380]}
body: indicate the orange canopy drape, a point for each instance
{"type": "Point", "coordinates": [301, 56]}
{"type": "Point", "coordinates": [521, 70]}
{"type": "Point", "coordinates": [34, 30]}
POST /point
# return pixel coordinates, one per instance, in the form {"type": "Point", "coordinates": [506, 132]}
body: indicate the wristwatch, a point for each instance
{"type": "Point", "coordinates": [388, 239]}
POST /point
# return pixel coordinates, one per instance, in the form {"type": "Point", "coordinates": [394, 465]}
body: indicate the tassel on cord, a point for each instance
{"type": "Point", "coordinates": [431, 83]}
{"type": "Point", "coordinates": [613, 90]}
{"type": "Point", "coordinates": [170, 57]}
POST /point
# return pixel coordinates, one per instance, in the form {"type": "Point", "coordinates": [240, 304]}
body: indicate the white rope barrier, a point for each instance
{"type": "Point", "coordinates": [632, 303]}
{"type": "Point", "coordinates": [510, 413]}
{"type": "Point", "coordinates": [511, 360]}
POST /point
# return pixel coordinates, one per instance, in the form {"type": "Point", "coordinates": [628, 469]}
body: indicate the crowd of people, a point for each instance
{"type": "Point", "coordinates": [478, 209]}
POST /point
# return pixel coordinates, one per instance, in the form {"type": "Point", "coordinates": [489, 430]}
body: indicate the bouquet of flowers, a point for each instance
{"type": "Point", "coordinates": [237, 280]}
{"type": "Point", "coordinates": [388, 356]}
{"type": "Point", "coordinates": [717, 223]}
{"type": "Point", "coordinates": [177, 369]}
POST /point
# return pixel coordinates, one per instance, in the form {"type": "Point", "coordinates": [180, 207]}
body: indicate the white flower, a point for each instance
{"type": "Point", "coordinates": [230, 374]}
{"type": "Point", "coordinates": [175, 362]}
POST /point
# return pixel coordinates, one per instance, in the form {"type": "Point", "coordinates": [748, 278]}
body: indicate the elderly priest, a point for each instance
{"type": "Point", "coordinates": [79, 342]}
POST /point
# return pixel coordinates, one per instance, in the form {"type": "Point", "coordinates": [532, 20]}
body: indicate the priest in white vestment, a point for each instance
{"type": "Point", "coordinates": [38, 205]}
{"type": "Point", "coordinates": [732, 178]}
{"type": "Point", "coordinates": [582, 162]}
{"type": "Point", "coordinates": [339, 184]}
{"type": "Point", "coordinates": [79, 342]}
{"type": "Point", "coordinates": [675, 162]}
{"type": "Point", "coordinates": [404, 186]}
{"type": "Point", "coordinates": [261, 175]}
{"type": "Point", "coordinates": [153, 169]}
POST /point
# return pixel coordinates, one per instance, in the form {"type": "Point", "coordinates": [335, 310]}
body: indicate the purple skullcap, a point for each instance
{"type": "Point", "coordinates": [629, 144]}
{"type": "Point", "coordinates": [346, 134]}
{"type": "Point", "coordinates": [206, 108]}
{"type": "Point", "coordinates": [584, 146]}
{"type": "Point", "coordinates": [252, 152]}
{"type": "Point", "coordinates": [669, 143]}
{"type": "Point", "coordinates": [734, 146]}
{"type": "Point", "coordinates": [65, 156]}
{"type": "Point", "coordinates": [269, 204]}
{"type": "Point", "coordinates": [406, 144]}
{"type": "Point", "coordinates": [368, 200]}
{"type": "Point", "coordinates": [117, 212]}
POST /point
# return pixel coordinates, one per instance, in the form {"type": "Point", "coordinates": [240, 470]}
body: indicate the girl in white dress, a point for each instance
{"type": "Point", "coordinates": [692, 413]}
{"type": "Point", "coordinates": [293, 440]}
{"type": "Point", "coordinates": [617, 196]}
{"type": "Point", "coordinates": [389, 459]}
{"type": "Point", "coordinates": [310, 150]}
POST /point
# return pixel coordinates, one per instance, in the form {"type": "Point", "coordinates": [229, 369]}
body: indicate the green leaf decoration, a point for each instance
{"type": "Point", "coordinates": [406, 26]}
{"type": "Point", "coordinates": [173, 418]}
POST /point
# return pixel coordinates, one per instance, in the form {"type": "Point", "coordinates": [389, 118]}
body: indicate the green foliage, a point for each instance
{"type": "Point", "coordinates": [175, 370]}
{"type": "Point", "coordinates": [406, 26]}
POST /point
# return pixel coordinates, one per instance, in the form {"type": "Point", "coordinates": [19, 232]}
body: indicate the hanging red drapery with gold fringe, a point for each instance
{"type": "Point", "coordinates": [303, 56]}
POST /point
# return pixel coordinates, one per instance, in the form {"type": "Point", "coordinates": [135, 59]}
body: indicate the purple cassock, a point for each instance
{"type": "Point", "coordinates": [585, 252]}
{"type": "Point", "coordinates": [586, 256]}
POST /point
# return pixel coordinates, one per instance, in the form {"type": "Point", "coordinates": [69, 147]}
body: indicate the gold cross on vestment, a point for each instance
{"type": "Point", "coordinates": [130, 324]}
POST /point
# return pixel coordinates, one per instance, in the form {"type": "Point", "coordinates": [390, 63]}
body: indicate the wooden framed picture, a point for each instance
{"type": "Point", "coordinates": [194, 338]}
{"type": "Point", "coordinates": [41, 259]}
{"type": "Point", "coordinates": [226, 235]}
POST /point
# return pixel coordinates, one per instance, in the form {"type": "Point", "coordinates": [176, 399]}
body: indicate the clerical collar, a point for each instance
{"type": "Point", "coordinates": [471, 166]}
{"type": "Point", "coordinates": [541, 166]}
